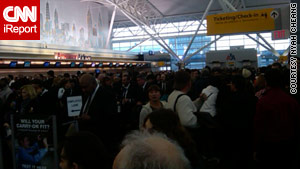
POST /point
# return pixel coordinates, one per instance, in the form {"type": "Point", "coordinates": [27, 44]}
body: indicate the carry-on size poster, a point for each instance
{"type": "Point", "coordinates": [34, 140]}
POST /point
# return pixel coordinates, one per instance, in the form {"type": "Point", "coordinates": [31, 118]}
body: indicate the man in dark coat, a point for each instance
{"type": "Point", "coordinates": [98, 110]}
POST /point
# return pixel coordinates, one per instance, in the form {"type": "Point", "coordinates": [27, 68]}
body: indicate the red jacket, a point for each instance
{"type": "Point", "coordinates": [277, 117]}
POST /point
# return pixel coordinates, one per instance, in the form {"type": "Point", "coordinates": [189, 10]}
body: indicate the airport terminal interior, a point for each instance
{"type": "Point", "coordinates": [152, 84]}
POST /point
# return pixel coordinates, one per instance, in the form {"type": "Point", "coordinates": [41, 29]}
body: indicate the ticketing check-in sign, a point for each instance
{"type": "Point", "coordinates": [244, 21]}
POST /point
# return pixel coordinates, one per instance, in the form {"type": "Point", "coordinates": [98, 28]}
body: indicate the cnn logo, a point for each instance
{"type": "Point", "coordinates": [20, 20]}
{"type": "Point", "coordinates": [20, 14]}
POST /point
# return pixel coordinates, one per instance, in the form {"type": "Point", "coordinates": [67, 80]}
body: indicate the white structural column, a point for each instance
{"type": "Point", "coordinates": [223, 5]}
{"type": "Point", "coordinates": [152, 36]}
{"type": "Point", "coordinates": [154, 7]}
{"type": "Point", "coordinates": [203, 47]}
{"type": "Point", "coordinates": [138, 11]}
{"type": "Point", "coordinates": [138, 44]}
{"type": "Point", "coordinates": [267, 43]}
{"type": "Point", "coordinates": [145, 27]}
{"type": "Point", "coordinates": [243, 4]}
{"type": "Point", "coordinates": [110, 27]}
{"type": "Point", "coordinates": [286, 52]}
{"type": "Point", "coordinates": [230, 5]}
{"type": "Point", "coordinates": [258, 42]}
{"type": "Point", "coordinates": [193, 38]}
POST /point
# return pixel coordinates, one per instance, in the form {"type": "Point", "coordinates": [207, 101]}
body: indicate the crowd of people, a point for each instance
{"type": "Point", "coordinates": [220, 118]}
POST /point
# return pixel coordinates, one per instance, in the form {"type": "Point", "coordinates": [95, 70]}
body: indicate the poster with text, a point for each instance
{"type": "Point", "coordinates": [34, 142]}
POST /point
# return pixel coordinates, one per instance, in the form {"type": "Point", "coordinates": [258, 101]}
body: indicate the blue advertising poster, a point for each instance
{"type": "Point", "coordinates": [34, 139]}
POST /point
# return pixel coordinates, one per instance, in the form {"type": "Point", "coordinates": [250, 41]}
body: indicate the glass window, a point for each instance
{"type": "Point", "coordinates": [222, 43]}
{"type": "Point", "coordinates": [238, 37]}
{"type": "Point", "coordinates": [281, 46]}
{"type": "Point", "coordinates": [237, 42]}
{"type": "Point", "coordinates": [223, 48]}
{"type": "Point", "coordinates": [179, 34]}
{"type": "Point", "coordinates": [125, 44]}
{"type": "Point", "coordinates": [115, 45]}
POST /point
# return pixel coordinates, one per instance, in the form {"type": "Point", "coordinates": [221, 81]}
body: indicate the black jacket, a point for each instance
{"type": "Point", "coordinates": [102, 110]}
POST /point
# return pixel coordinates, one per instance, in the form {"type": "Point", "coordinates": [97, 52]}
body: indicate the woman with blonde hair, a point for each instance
{"type": "Point", "coordinates": [28, 91]}
{"type": "Point", "coordinates": [28, 101]}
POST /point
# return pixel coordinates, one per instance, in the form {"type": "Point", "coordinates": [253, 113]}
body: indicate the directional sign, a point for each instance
{"type": "Point", "coordinates": [243, 22]}
{"type": "Point", "coordinates": [74, 105]}
{"type": "Point", "coordinates": [274, 14]}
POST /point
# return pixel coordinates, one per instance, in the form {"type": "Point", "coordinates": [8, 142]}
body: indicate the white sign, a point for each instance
{"type": "Point", "coordinates": [247, 63]}
{"type": "Point", "coordinates": [74, 105]}
{"type": "Point", "coordinates": [216, 64]}
{"type": "Point", "coordinates": [18, 13]}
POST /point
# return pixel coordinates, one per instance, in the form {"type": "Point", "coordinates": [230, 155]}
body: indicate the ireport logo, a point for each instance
{"type": "Point", "coordinates": [20, 20]}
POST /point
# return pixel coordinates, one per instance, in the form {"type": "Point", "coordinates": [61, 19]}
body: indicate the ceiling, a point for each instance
{"type": "Point", "coordinates": [182, 9]}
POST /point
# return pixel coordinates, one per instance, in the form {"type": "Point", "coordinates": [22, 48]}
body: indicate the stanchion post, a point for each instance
{"type": "Point", "coordinates": [12, 123]}
{"type": "Point", "coordinates": [55, 142]}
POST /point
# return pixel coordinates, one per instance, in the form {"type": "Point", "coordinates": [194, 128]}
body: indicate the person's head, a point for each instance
{"type": "Point", "coordinates": [87, 83]}
{"type": "Point", "coordinates": [38, 86]}
{"type": "Point", "coordinates": [50, 74]}
{"type": "Point", "coordinates": [78, 73]}
{"type": "Point", "coordinates": [142, 150]}
{"type": "Point", "coordinates": [24, 141]}
{"type": "Point", "coordinates": [100, 77]}
{"type": "Point", "coordinates": [106, 81]}
{"type": "Point", "coordinates": [154, 93]}
{"type": "Point", "coordinates": [158, 77]}
{"type": "Point", "coordinates": [194, 74]}
{"type": "Point", "coordinates": [82, 150]}
{"type": "Point", "coordinates": [205, 72]}
{"type": "Point", "coordinates": [42, 77]}
{"type": "Point", "coordinates": [246, 73]}
{"type": "Point", "coordinates": [150, 78]}
{"type": "Point", "coordinates": [208, 68]}
{"type": "Point", "coordinates": [163, 120]}
{"type": "Point", "coordinates": [166, 121]}
{"type": "Point", "coordinates": [11, 77]}
{"type": "Point", "coordinates": [3, 83]}
{"type": "Point", "coordinates": [273, 77]}
{"type": "Point", "coordinates": [215, 81]}
{"type": "Point", "coordinates": [182, 80]}
{"type": "Point", "coordinates": [260, 82]}
{"type": "Point", "coordinates": [116, 79]}
{"type": "Point", "coordinates": [276, 65]}
{"type": "Point", "coordinates": [67, 76]}
{"type": "Point", "coordinates": [28, 92]}
{"type": "Point", "coordinates": [125, 80]}
{"type": "Point", "coordinates": [238, 83]}
{"type": "Point", "coordinates": [66, 83]}
{"type": "Point", "coordinates": [140, 79]}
